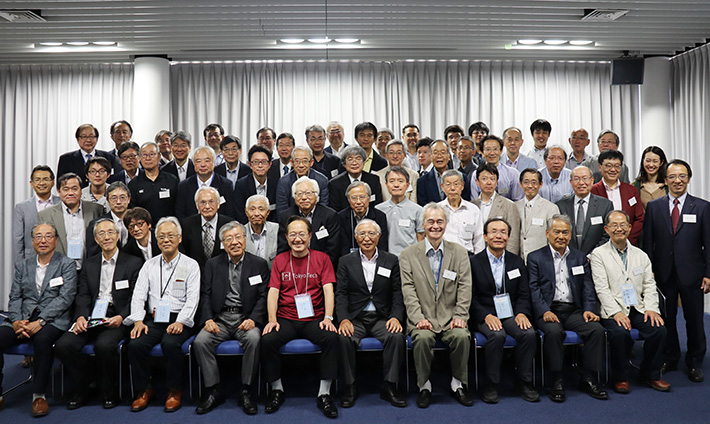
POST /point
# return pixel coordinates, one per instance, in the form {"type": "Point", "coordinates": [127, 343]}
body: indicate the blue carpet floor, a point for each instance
{"type": "Point", "coordinates": [686, 403]}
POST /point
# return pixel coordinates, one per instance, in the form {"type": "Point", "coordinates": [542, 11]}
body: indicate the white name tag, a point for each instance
{"type": "Point", "coordinates": [629, 295]}
{"type": "Point", "coordinates": [164, 194]}
{"type": "Point", "coordinates": [638, 270]}
{"type": "Point", "coordinates": [689, 218]}
{"type": "Point", "coordinates": [538, 221]}
{"type": "Point", "coordinates": [469, 228]}
{"type": "Point", "coordinates": [255, 279]}
{"type": "Point", "coordinates": [372, 198]}
{"type": "Point", "coordinates": [504, 309]}
{"type": "Point", "coordinates": [323, 233]}
{"type": "Point", "coordinates": [304, 305]}
{"type": "Point", "coordinates": [54, 282]}
{"type": "Point", "coordinates": [221, 245]}
{"type": "Point", "coordinates": [162, 312]}
{"type": "Point", "coordinates": [334, 173]}
{"type": "Point", "coordinates": [404, 223]}
{"type": "Point", "coordinates": [449, 275]}
{"type": "Point", "coordinates": [121, 284]}
{"type": "Point", "coordinates": [222, 200]}
{"type": "Point", "coordinates": [272, 207]}
{"type": "Point", "coordinates": [384, 272]}
{"type": "Point", "coordinates": [513, 274]}
{"type": "Point", "coordinates": [597, 220]}
{"type": "Point", "coordinates": [100, 309]}
{"type": "Point", "coordinates": [632, 201]}
{"type": "Point", "coordinates": [577, 270]}
{"type": "Point", "coordinates": [140, 191]}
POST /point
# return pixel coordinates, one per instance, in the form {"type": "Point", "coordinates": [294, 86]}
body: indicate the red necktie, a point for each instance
{"type": "Point", "coordinates": [675, 215]}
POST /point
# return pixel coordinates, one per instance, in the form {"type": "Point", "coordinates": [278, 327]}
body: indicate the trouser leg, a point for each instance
{"type": "Point", "coordinates": [423, 351]}
{"type": "Point", "coordinates": [459, 342]}
{"type": "Point", "coordinates": [43, 342]}
{"type": "Point", "coordinates": [525, 351]}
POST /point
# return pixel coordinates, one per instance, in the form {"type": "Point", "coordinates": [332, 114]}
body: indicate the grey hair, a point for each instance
{"type": "Point", "coordinates": [148, 144]}
{"type": "Point", "coordinates": [398, 170]}
{"type": "Point", "coordinates": [436, 207]}
{"type": "Point", "coordinates": [452, 173]}
{"type": "Point", "coordinates": [229, 227]}
{"type": "Point", "coordinates": [161, 133]}
{"type": "Point", "coordinates": [386, 130]}
{"type": "Point", "coordinates": [554, 146]}
{"type": "Point", "coordinates": [305, 179]}
{"type": "Point", "coordinates": [369, 221]}
{"type": "Point", "coordinates": [395, 142]}
{"type": "Point", "coordinates": [255, 198]}
{"type": "Point", "coordinates": [182, 135]}
{"type": "Point", "coordinates": [438, 140]}
{"type": "Point", "coordinates": [211, 190]}
{"type": "Point", "coordinates": [208, 149]}
{"type": "Point", "coordinates": [117, 185]}
{"type": "Point", "coordinates": [301, 149]}
{"type": "Point", "coordinates": [100, 220]}
{"type": "Point", "coordinates": [606, 218]}
{"type": "Point", "coordinates": [356, 184]}
{"type": "Point", "coordinates": [559, 217]}
{"type": "Point", "coordinates": [353, 151]}
{"type": "Point", "coordinates": [169, 220]}
{"type": "Point", "coordinates": [56, 233]}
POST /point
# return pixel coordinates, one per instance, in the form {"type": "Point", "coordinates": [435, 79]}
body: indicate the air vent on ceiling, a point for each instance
{"type": "Point", "coordinates": [22, 16]}
{"type": "Point", "coordinates": [603, 15]}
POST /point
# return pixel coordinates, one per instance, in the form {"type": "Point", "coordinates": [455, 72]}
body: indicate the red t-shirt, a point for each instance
{"type": "Point", "coordinates": [320, 273]}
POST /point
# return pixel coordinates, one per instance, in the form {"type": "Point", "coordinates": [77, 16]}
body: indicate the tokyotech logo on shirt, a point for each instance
{"type": "Point", "coordinates": [286, 276]}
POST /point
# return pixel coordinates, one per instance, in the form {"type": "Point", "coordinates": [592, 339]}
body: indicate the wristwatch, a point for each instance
{"type": "Point", "coordinates": [42, 322]}
{"type": "Point", "coordinates": [330, 317]}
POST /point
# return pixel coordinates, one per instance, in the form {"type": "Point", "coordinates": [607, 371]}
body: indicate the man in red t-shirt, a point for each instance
{"type": "Point", "coordinates": [300, 304]}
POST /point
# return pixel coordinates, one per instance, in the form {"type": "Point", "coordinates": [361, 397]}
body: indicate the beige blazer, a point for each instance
{"type": "Point", "coordinates": [609, 275]}
{"type": "Point", "coordinates": [421, 298]}
{"type": "Point", "coordinates": [506, 209]}
{"type": "Point", "coordinates": [533, 224]}
{"type": "Point", "coordinates": [411, 191]}
{"type": "Point", "coordinates": [55, 216]}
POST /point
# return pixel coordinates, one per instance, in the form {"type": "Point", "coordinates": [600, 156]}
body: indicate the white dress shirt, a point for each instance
{"type": "Point", "coordinates": [368, 270]}
{"type": "Point", "coordinates": [108, 267]}
{"type": "Point", "coordinates": [39, 275]}
{"type": "Point", "coordinates": [465, 226]}
{"type": "Point", "coordinates": [613, 194]}
{"type": "Point", "coordinates": [563, 292]}
{"type": "Point", "coordinates": [486, 208]}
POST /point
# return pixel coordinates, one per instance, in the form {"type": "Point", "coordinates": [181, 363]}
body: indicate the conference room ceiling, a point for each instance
{"type": "Point", "coordinates": [214, 30]}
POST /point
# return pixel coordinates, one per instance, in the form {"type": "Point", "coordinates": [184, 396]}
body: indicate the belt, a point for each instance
{"type": "Point", "coordinates": [232, 309]}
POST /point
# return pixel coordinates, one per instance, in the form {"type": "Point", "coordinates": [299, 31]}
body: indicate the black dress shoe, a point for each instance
{"type": "Point", "coordinates": [490, 393]}
{"type": "Point", "coordinates": [389, 394]}
{"type": "Point", "coordinates": [274, 401]}
{"type": "Point", "coordinates": [527, 392]}
{"type": "Point", "coordinates": [326, 404]}
{"type": "Point", "coordinates": [593, 390]}
{"type": "Point", "coordinates": [77, 401]}
{"type": "Point", "coordinates": [248, 403]}
{"type": "Point", "coordinates": [349, 396]}
{"type": "Point", "coordinates": [557, 392]}
{"type": "Point", "coordinates": [212, 399]}
{"type": "Point", "coordinates": [463, 396]}
{"type": "Point", "coordinates": [424, 398]}
{"type": "Point", "coordinates": [668, 367]}
{"type": "Point", "coordinates": [110, 402]}
{"type": "Point", "coordinates": [696, 375]}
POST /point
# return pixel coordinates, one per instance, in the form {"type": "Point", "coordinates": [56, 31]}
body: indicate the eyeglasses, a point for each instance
{"type": "Point", "coordinates": [531, 183]}
{"type": "Point", "coordinates": [115, 198]}
{"type": "Point", "coordinates": [97, 171]}
{"type": "Point", "coordinates": [137, 224]}
{"type": "Point", "coordinates": [465, 147]}
{"type": "Point", "coordinates": [395, 153]}
{"type": "Point", "coordinates": [300, 194]}
{"type": "Point", "coordinates": [582, 179]}
{"type": "Point", "coordinates": [435, 222]}
{"type": "Point", "coordinates": [456, 184]}
{"type": "Point", "coordinates": [293, 236]}
{"type": "Point", "coordinates": [610, 166]}
{"type": "Point", "coordinates": [363, 234]}
{"type": "Point", "coordinates": [354, 159]}
{"type": "Point", "coordinates": [301, 161]}
{"type": "Point", "coordinates": [498, 232]}
{"type": "Point", "coordinates": [260, 162]}
{"type": "Point", "coordinates": [210, 202]}
{"type": "Point", "coordinates": [42, 180]}
{"type": "Point", "coordinates": [171, 237]}
{"type": "Point", "coordinates": [129, 156]}
{"type": "Point", "coordinates": [231, 150]}
{"type": "Point", "coordinates": [230, 239]}
{"type": "Point", "coordinates": [440, 153]}
{"type": "Point", "coordinates": [312, 139]}
{"type": "Point", "coordinates": [361, 197]}
{"type": "Point", "coordinates": [106, 233]}
{"type": "Point", "coordinates": [150, 155]}
{"type": "Point", "coordinates": [616, 226]}
{"type": "Point", "coordinates": [682, 177]}
{"type": "Point", "coordinates": [48, 237]}
{"type": "Point", "coordinates": [87, 137]}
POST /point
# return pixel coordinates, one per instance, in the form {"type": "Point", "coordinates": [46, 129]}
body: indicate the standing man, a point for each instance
{"type": "Point", "coordinates": [465, 225]}
{"type": "Point", "coordinates": [555, 177]}
{"type": "Point", "coordinates": [607, 140]}
{"type": "Point", "coordinates": [87, 136]}
{"type": "Point", "coordinates": [624, 282]}
{"type": "Point", "coordinates": [266, 137]}
{"type": "Point", "coordinates": [410, 135]}
{"type": "Point", "coordinates": [353, 157]}
{"type": "Point", "coordinates": [336, 135]}
{"type": "Point", "coordinates": [384, 136]}
{"type": "Point", "coordinates": [534, 211]}
{"type": "Point", "coordinates": [436, 286]}
{"type": "Point", "coordinates": [162, 138]}
{"type": "Point", "coordinates": [326, 163]}
{"type": "Point", "coordinates": [500, 306]}
{"type": "Point", "coordinates": [155, 189]}
{"type": "Point", "coordinates": [469, 162]}
{"type": "Point", "coordinates": [200, 241]}
{"type": "Point", "coordinates": [494, 205]}
{"type": "Point", "coordinates": [452, 135]}
{"type": "Point", "coordinates": [513, 140]}
{"type": "Point", "coordinates": [404, 217]}
{"type": "Point", "coordinates": [477, 131]}
{"type": "Point", "coordinates": [119, 197]}
{"type": "Point", "coordinates": [429, 185]}
{"type": "Point", "coordinates": [182, 166]}
{"type": "Point", "coordinates": [232, 306]}
{"type": "Point", "coordinates": [365, 133]}
{"type": "Point", "coordinates": [358, 195]}
{"type": "Point", "coordinates": [214, 133]}
{"type": "Point", "coordinates": [39, 310]}
{"type": "Point", "coordinates": [423, 157]}
{"type": "Point", "coordinates": [302, 163]}
{"type": "Point", "coordinates": [563, 298]}
{"type": "Point", "coordinates": [170, 284]}
{"type": "Point", "coordinates": [204, 177]}
{"type": "Point", "coordinates": [395, 152]}
{"type": "Point", "coordinates": [128, 154]}
{"type": "Point", "coordinates": [508, 185]}
{"type": "Point", "coordinates": [586, 211]}
{"type": "Point", "coordinates": [258, 182]}
{"type": "Point", "coordinates": [676, 236]}
{"type": "Point", "coordinates": [281, 164]}
{"type": "Point", "coordinates": [578, 140]}
{"type": "Point", "coordinates": [368, 301]}
{"type": "Point", "coordinates": [540, 130]}
{"type": "Point", "coordinates": [231, 167]}
{"type": "Point", "coordinates": [121, 132]}
{"type": "Point", "coordinates": [97, 170]}
{"type": "Point", "coordinates": [104, 293]}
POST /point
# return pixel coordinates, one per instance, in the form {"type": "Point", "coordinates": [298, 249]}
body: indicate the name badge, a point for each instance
{"type": "Point", "coordinates": [255, 279]}
{"type": "Point", "coordinates": [272, 207]}
{"type": "Point", "coordinates": [322, 233]}
{"type": "Point", "coordinates": [469, 228]}
{"type": "Point", "coordinates": [74, 248]}
{"type": "Point", "coordinates": [333, 173]}
{"type": "Point", "coordinates": [162, 312]}
{"type": "Point", "coordinates": [449, 275]}
{"type": "Point", "coordinates": [504, 309]}
{"type": "Point", "coordinates": [405, 223]}
{"type": "Point", "coordinates": [304, 305]}
{"type": "Point", "coordinates": [629, 294]}
{"type": "Point", "coordinates": [638, 270]}
{"type": "Point", "coordinates": [689, 218]}
{"type": "Point", "coordinates": [121, 284]}
{"type": "Point", "coordinates": [577, 270]}
{"type": "Point", "coordinates": [384, 272]}
{"type": "Point", "coordinates": [140, 191]}
{"type": "Point", "coordinates": [538, 221]}
{"type": "Point", "coordinates": [221, 245]}
{"type": "Point", "coordinates": [222, 200]}
{"type": "Point", "coordinates": [100, 309]}
{"type": "Point", "coordinates": [54, 282]}
{"type": "Point", "coordinates": [372, 198]}
{"type": "Point", "coordinates": [513, 274]}
{"type": "Point", "coordinates": [597, 220]}
{"type": "Point", "coordinates": [632, 201]}
{"type": "Point", "coordinates": [164, 194]}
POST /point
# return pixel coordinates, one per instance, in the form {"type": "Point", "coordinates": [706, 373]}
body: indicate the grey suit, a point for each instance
{"type": "Point", "coordinates": [506, 209]}
{"type": "Point", "coordinates": [593, 234]}
{"type": "Point", "coordinates": [24, 218]}
{"type": "Point", "coordinates": [54, 215]}
{"type": "Point", "coordinates": [272, 233]}
{"type": "Point", "coordinates": [533, 224]}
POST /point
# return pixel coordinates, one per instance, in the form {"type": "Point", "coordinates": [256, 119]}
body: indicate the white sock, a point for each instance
{"type": "Point", "coordinates": [324, 387]}
{"type": "Point", "coordinates": [277, 385]}
{"type": "Point", "coordinates": [455, 384]}
{"type": "Point", "coordinates": [36, 396]}
{"type": "Point", "coordinates": [426, 386]}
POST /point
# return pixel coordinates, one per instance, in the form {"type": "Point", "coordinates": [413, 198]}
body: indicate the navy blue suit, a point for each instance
{"type": "Point", "coordinates": [185, 202]}
{"type": "Point", "coordinates": [245, 188]}
{"type": "Point", "coordinates": [348, 224]}
{"type": "Point", "coordinates": [428, 188]}
{"type": "Point", "coordinates": [74, 162]}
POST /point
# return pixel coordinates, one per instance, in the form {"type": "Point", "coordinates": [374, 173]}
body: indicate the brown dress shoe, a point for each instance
{"type": "Point", "coordinates": [2, 402]}
{"type": "Point", "coordinates": [27, 361]}
{"type": "Point", "coordinates": [40, 407]}
{"type": "Point", "coordinates": [621, 387]}
{"type": "Point", "coordinates": [659, 385]}
{"type": "Point", "coordinates": [142, 400]}
{"type": "Point", "coordinates": [174, 401]}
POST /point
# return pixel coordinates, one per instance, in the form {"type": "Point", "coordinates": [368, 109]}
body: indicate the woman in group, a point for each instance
{"type": "Point", "coordinates": [651, 181]}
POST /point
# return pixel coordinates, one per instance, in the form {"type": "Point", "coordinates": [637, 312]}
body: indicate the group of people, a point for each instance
{"type": "Point", "coordinates": [436, 239]}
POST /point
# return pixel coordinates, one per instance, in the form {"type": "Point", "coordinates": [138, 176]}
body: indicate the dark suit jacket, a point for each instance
{"type": "Point", "coordinates": [541, 274]}
{"type": "Point", "coordinates": [74, 162]}
{"type": "Point", "coordinates": [275, 169]}
{"type": "Point", "coordinates": [593, 235]}
{"type": "Point", "coordinates": [428, 189]}
{"type": "Point", "coordinates": [192, 238]}
{"type": "Point", "coordinates": [352, 294]}
{"type": "Point", "coordinates": [327, 165]}
{"type": "Point", "coordinates": [245, 188]}
{"type": "Point", "coordinates": [323, 218]}
{"type": "Point", "coordinates": [338, 185]}
{"type": "Point", "coordinates": [127, 268]}
{"type": "Point", "coordinates": [378, 162]}
{"type": "Point", "coordinates": [244, 170]}
{"type": "Point", "coordinates": [215, 286]}
{"type": "Point", "coordinates": [330, 149]}
{"type": "Point", "coordinates": [688, 249]}
{"type": "Point", "coordinates": [484, 286]}
{"type": "Point", "coordinates": [636, 212]}
{"type": "Point", "coordinates": [121, 176]}
{"type": "Point", "coordinates": [132, 248]}
{"type": "Point", "coordinates": [185, 202]}
{"type": "Point", "coordinates": [90, 246]}
{"type": "Point", "coordinates": [348, 223]}
{"type": "Point", "coordinates": [284, 198]}
{"type": "Point", "coordinates": [171, 167]}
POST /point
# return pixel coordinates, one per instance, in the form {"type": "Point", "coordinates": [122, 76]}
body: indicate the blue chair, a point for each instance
{"type": "Point", "coordinates": [439, 345]}
{"type": "Point", "coordinates": [299, 347]}
{"type": "Point", "coordinates": [479, 341]}
{"type": "Point", "coordinates": [226, 348]}
{"type": "Point", "coordinates": [571, 339]}
{"type": "Point", "coordinates": [23, 349]}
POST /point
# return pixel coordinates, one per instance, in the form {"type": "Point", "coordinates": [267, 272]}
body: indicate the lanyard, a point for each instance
{"type": "Point", "coordinates": [293, 274]}
{"type": "Point", "coordinates": [167, 283]}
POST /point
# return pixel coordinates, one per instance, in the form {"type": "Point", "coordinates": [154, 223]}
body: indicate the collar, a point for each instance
{"type": "Point", "coordinates": [169, 264]}
{"type": "Point", "coordinates": [606, 186]}
{"type": "Point", "coordinates": [492, 258]}
{"type": "Point", "coordinates": [363, 258]}
{"type": "Point", "coordinates": [428, 246]}
{"type": "Point", "coordinates": [229, 259]}
{"type": "Point", "coordinates": [621, 252]}
{"type": "Point", "coordinates": [39, 265]}
{"type": "Point", "coordinates": [113, 258]}
{"type": "Point", "coordinates": [92, 153]}
{"type": "Point", "coordinates": [681, 199]}
{"type": "Point", "coordinates": [253, 233]}
{"type": "Point", "coordinates": [556, 254]}
{"type": "Point", "coordinates": [310, 214]}
{"type": "Point", "coordinates": [491, 201]}
{"type": "Point", "coordinates": [586, 199]}
{"type": "Point", "coordinates": [257, 183]}
{"type": "Point", "coordinates": [42, 202]}
{"type": "Point", "coordinates": [212, 221]}
{"type": "Point", "coordinates": [531, 202]}
{"type": "Point", "coordinates": [66, 209]}
{"type": "Point", "coordinates": [352, 179]}
{"type": "Point", "coordinates": [207, 183]}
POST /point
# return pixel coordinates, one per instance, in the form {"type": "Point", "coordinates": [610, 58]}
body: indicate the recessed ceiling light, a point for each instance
{"type": "Point", "coordinates": [347, 40]}
{"type": "Point", "coordinates": [104, 43]}
{"type": "Point", "coordinates": [581, 42]}
{"type": "Point", "coordinates": [323, 40]}
{"type": "Point", "coordinates": [292, 40]}
{"type": "Point", "coordinates": [51, 44]}
{"type": "Point", "coordinates": [555, 42]}
{"type": "Point", "coordinates": [78, 43]}
{"type": "Point", "coordinates": [529, 42]}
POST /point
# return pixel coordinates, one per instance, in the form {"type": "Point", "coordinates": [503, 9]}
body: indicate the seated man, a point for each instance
{"type": "Point", "coordinates": [170, 284]}
{"type": "Point", "coordinates": [563, 298]}
{"type": "Point", "coordinates": [353, 158]}
{"type": "Point", "coordinates": [404, 217]}
{"type": "Point", "coordinates": [465, 225]}
{"type": "Point", "coordinates": [262, 235]}
{"type": "Point", "coordinates": [436, 286]}
{"type": "Point", "coordinates": [200, 240]}
{"type": "Point", "coordinates": [39, 310]}
{"type": "Point", "coordinates": [500, 306]}
{"type": "Point", "coordinates": [358, 195]}
{"type": "Point", "coordinates": [232, 306]}
{"type": "Point", "coordinates": [300, 304]}
{"type": "Point", "coordinates": [625, 286]}
{"type": "Point", "coordinates": [104, 294]}
{"type": "Point", "coordinates": [368, 300]}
